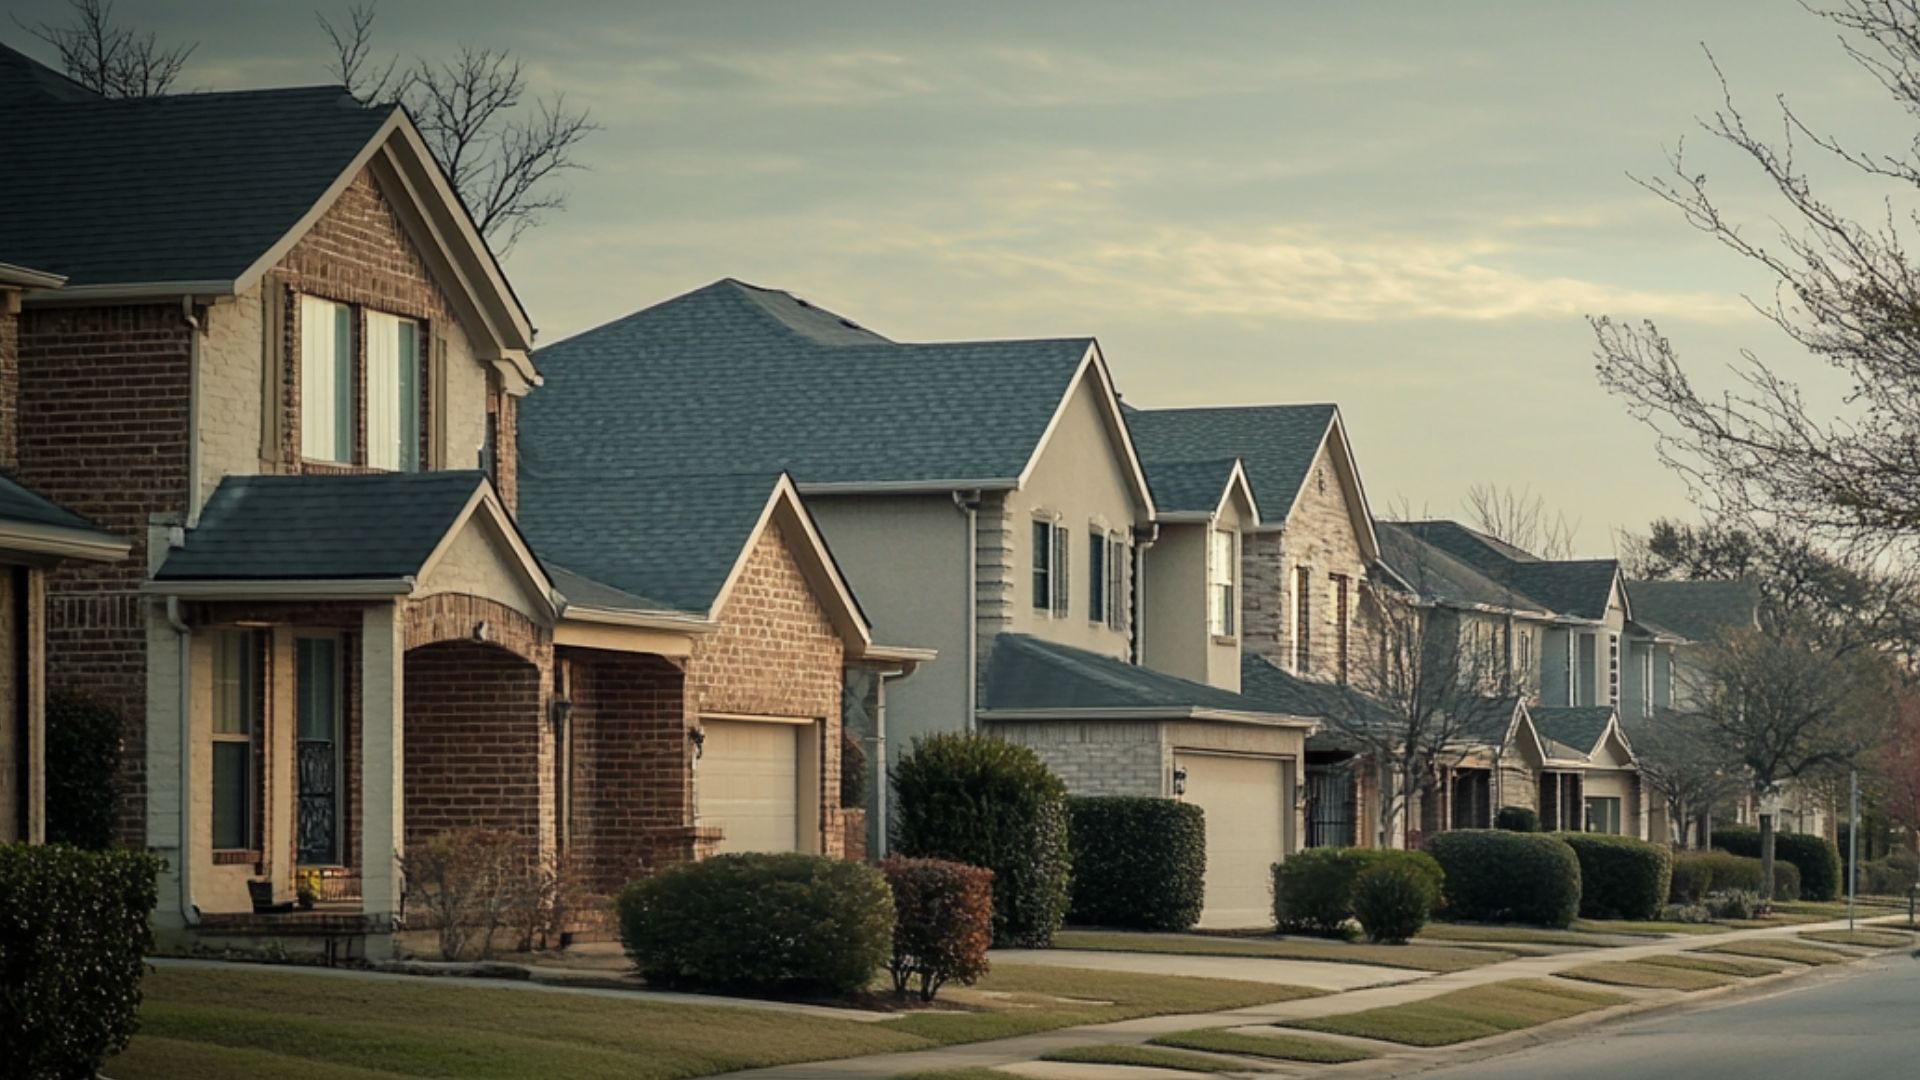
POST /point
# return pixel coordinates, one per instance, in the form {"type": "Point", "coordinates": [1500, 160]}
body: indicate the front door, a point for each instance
{"type": "Point", "coordinates": [318, 690]}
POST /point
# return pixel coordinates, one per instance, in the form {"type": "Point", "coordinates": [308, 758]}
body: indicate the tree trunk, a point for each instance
{"type": "Point", "coordinates": [1766, 859]}
{"type": "Point", "coordinates": [1705, 834]}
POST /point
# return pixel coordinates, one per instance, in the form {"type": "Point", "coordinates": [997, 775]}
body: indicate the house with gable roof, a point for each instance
{"type": "Point", "coordinates": [284, 365]}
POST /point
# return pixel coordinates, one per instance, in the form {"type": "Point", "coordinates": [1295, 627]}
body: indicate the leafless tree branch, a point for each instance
{"type": "Point", "coordinates": [109, 59]}
{"type": "Point", "coordinates": [1520, 518]}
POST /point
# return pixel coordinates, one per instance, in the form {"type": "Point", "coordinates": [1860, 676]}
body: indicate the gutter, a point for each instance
{"type": "Point", "coordinates": [129, 291]}
{"type": "Point", "coordinates": [648, 620]}
{"type": "Point", "coordinates": [61, 541]}
{"type": "Point", "coordinates": [195, 330]}
{"type": "Point", "coordinates": [1144, 537]}
{"type": "Point", "coordinates": [283, 589]}
{"type": "Point", "coordinates": [968, 503]}
{"type": "Point", "coordinates": [1153, 712]}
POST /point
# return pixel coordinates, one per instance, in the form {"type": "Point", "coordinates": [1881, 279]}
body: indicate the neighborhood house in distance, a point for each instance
{"type": "Point", "coordinates": [288, 486]}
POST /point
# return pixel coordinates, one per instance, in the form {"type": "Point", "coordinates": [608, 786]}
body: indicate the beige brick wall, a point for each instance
{"type": "Point", "coordinates": [1319, 534]}
{"type": "Point", "coordinates": [1094, 757]}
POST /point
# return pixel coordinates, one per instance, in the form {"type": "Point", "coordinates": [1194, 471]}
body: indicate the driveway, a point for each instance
{"type": "Point", "coordinates": [1315, 974]}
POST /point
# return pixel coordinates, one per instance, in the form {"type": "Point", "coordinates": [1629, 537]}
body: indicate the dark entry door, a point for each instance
{"type": "Point", "coordinates": [1329, 806]}
{"type": "Point", "coordinates": [317, 686]}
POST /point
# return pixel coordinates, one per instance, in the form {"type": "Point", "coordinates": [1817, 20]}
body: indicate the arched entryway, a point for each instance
{"type": "Point", "coordinates": [478, 748]}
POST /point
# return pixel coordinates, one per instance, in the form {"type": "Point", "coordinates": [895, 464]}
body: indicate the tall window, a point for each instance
{"type": "Point", "coordinates": [1603, 814]}
{"type": "Point", "coordinates": [1342, 628]}
{"type": "Point", "coordinates": [326, 380]}
{"type": "Point", "coordinates": [235, 728]}
{"type": "Point", "coordinates": [1613, 669]}
{"type": "Point", "coordinates": [1043, 566]}
{"type": "Point", "coordinates": [1116, 582]}
{"type": "Point", "coordinates": [317, 679]}
{"type": "Point", "coordinates": [1646, 682]}
{"type": "Point", "coordinates": [1223, 564]}
{"type": "Point", "coordinates": [393, 392]}
{"type": "Point", "coordinates": [1302, 618]}
{"type": "Point", "coordinates": [1097, 598]}
{"type": "Point", "coordinates": [1523, 656]}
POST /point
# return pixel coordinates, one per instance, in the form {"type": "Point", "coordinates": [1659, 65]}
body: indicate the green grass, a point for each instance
{"type": "Point", "coordinates": [1464, 1015]}
{"type": "Point", "coordinates": [1278, 1047]}
{"type": "Point", "coordinates": [1649, 976]}
{"type": "Point", "coordinates": [957, 1074]}
{"type": "Point", "coordinates": [1742, 967]}
{"type": "Point", "coordinates": [1649, 928]}
{"type": "Point", "coordinates": [1410, 957]}
{"type": "Point", "coordinates": [1519, 935]}
{"type": "Point", "coordinates": [1866, 939]}
{"type": "Point", "coordinates": [1145, 1057]}
{"type": "Point", "coordinates": [1028, 998]}
{"type": "Point", "coordinates": [1794, 951]}
{"type": "Point", "coordinates": [1837, 909]}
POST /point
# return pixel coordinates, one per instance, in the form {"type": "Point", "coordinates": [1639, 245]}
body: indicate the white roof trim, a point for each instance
{"type": "Point", "coordinates": [1152, 712]}
{"type": "Point", "coordinates": [648, 620]}
{"type": "Point", "coordinates": [58, 540]}
{"type": "Point", "coordinates": [26, 277]}
{"type": "Point", "coordinates": [900, 487]}
{"type": "Point", "coordinates": [1109, 402]}
{"type": "Point", "coordinates": [484, 498]}
{"type": "Point", "coordinates": [1347, 469]}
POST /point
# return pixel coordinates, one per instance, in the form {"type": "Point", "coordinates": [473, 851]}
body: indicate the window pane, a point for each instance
{"type": "Point", "coordinates": [326, 380]}
{"type": "Point", "coordinates": [410, 396]}
{"type": "Point", "coordinates": [393, 362]}
{"type": "Point", "coordinates": [232, 707]}
{"type": "Point", "coordinates": [1042, 559]}
{"type": "Point", "coordinates": [231, 762]}
{"type": "Point", "coordinates": [1062, 594]}
{"type": "Point", "coordinates": [1096, 576]}
{"type": "Point", "coordinates": [319, 689]}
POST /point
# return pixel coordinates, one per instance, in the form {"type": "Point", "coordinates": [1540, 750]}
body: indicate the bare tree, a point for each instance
{"type": "Point", "coordinates": [1520, 518]}
{"type": "Point", "coordinates": [111, 60]}
{"type": "Point", "coordinates": [1846, 293]}
{"type": "Point", "coordinates": [1676, 753]}
{"type": "Point", "coordinates": [501, 150]}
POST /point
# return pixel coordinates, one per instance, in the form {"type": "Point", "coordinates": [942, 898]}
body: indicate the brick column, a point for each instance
{"type": "Point", "coordinates": [382, 772]}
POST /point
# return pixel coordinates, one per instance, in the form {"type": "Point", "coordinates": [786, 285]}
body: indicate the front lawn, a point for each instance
{"type": "Point", "coordinates": [1743, 967]}
{"type": "Point", "coordinates": [1794, 951]}
{"type": "Point", "coordinates": [1464, 1015]}
{"type": "Point", "coordinates": [1865, 939]}
{"type": "Point", "coordinates": [1277, 1047]}
{"type": "Point", "coordinates": [1414, 957]}
{"type": "Point", "coordinates": [1512, 934]}
{"type": "Point", "coordinates": [1144, 1057]}
{"type": "Point", "coordinates": [1650, 928]}
{"type": "Point", "coordinates": [1649, 976]}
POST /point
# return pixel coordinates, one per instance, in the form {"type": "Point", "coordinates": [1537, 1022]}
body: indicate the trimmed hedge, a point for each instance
{"type": "Point", "coordinates": [1138, 863]}
{"type": "Point", "coordinates": [1313, 890]}
{"type": "Point", "coordinates": [73, 938]}
{"type": "Point", "coordinates": [987, 802]}
{"type": "Point", "coordinates": [1697, 873]}
{"type": "Point", "coordinates": [1620, 877]}
{"type": "Point", "coordinates": [83, 769]}
{"type": "Point", "coordinates": [1494, 876]}
{"type": "Point", "coordinates": [1393, 899]}
{"type": "Point", "coordinates": [943, 923]}
{"type": "Point", "coordinates": [1517, 819]}
{"type": "Point", "coordinates": [763, 923]}
{"type": "Point", "coordinates": [1817, 857]}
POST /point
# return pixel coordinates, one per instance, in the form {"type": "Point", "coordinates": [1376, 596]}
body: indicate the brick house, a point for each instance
{"type": "Point", "coordinates": [287, 366]}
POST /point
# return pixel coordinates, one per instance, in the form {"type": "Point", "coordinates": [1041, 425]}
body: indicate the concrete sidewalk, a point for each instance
{"type": "Point", "coordinates": [1028, 1047]}
{"type": "Point", "coordinates": [1315, 974]}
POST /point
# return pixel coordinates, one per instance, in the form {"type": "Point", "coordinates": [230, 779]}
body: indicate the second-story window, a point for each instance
{"type": "Point", "coordinates": [326, 380]}
{"type": "Point", "coordinates": [1116, 582]}
{"type": "Point", "coordinates": [1223, 563]}
{"type": "Point", "coordinates": [1302, 618]}
{"type": "Point", "coordinates": [393, 392]}
{"type": "Point", "coordinates": [1097, 598]}
{"type": "Point", "coordinates": [1342, 619]}
{"type": "Point", "coordinates": [1043, 566]}
{"type": "Point", "coordinates": [1522, 656]}
{"type": "Point", "coordinates": [353, 369]}
{"type": "Point", "coordinates": [1613, 669]}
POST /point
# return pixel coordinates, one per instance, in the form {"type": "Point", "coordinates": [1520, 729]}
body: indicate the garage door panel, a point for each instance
{"type": "Point", "coordinates": [1245, 802]}
{"type": "Point", "coordinates": [749, 785]}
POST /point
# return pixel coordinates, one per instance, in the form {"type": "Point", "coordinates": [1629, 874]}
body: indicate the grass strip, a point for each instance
{"type": "Point", "coordinates": [956, 1074]}
{"type": "Point", "coordinates": [1793, 951]}
{"type": "Point", "coordinates": [1866, 939]}
{"type": "Point", "coordinates": [1465, 1015]}
{"type": "Point", "coordinates": [1415, 957]}
{"type": "Point", "coordinates": [1145, 1057]}
{"type": "Point", "coordinates": [1742, 967]}
{"type": "Point", "coordinates": [1277, 1047]}
{"type": "Point", "coordinates": [1648, 976]}
{"type": "Point", "coordinates": [1651, 928]}
{"type": "Point", "coordinates": [1519, 935]}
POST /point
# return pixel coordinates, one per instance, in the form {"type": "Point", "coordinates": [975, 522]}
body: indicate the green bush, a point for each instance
{"type": "Point", "coordinates": [1138, 863]}
{"type": "Point", "coordinates": [780, 924]}
{"type": "Point", "coordinates": [1494, 876]}
{"type": "Point", "coordinates": [83, 767]}
{"type": "Point", "coordinates": [73, 937]}
{"type": "Point", "coordinates": [1393, 899]}
{"type": "Point", "coordinates": [1817, 858]}
{"type": "Point", "coordinates": [1692, 877]}
{"type": "Point", "coordinates": [1733, 904]}
{"type": "Point", "coordinates": [1891, 876]}
{"type": "Point", "coordinates": [1697, 873]}
{"type": "Point", "coordinates": [987, 802]}
{"type": "Point", "coordinates": [1516, 819]}
{"type": "Point", "coordinates": [1313, 890]}
{"type": "Point", "coordinates": [1620, 877]}
{"type": "Point", "coordinates": [943, 923]}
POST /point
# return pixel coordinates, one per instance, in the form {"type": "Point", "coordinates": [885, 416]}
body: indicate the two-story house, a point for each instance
{"type": "Point", "coordinates": [286, 365]}
{"type": "Point", "coordinates": [985, 500]}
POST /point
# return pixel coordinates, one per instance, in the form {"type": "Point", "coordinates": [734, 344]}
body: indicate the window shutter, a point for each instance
{"type": "Point", "coordinates": [1117, 601]}
{"type": "Point", "coordinates": [1062, 593]}
{"type": "Point", "coordinates": [273, 366]}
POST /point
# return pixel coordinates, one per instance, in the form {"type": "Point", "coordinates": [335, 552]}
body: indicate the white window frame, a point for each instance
{"type": "Point", "coordinates": [326, 380]}
{"type": "Point", "coordinates": [1118, 557]}
{"type": "Point", "coordinates": [393, 392]}
{"type": "Point", "coordinates": [1223, 583]}
{"type": "Point", "coordinates": [1040, 534]}
{"type": "Point", "coordinates": [1301, 652]}
{"type": "Point", "coordinates": [247, 735]}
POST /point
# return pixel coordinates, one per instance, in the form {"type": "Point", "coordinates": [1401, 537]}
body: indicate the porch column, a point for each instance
{"type": "Point", "coordinates": [383, 650]}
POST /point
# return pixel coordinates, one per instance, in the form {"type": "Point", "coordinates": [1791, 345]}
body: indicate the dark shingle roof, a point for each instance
{"type": "Point", "coordinates": [1285, 692]}
{"type": "Point", "coordinates": [1577, 727]}
{"type": "Point", "coordinates": [19, 504]}
{"type": "Point", "coordinates": [1027, 673]}
{"type": "Point", "coordinates": [1276, 443]}
{"type": "Point", "coordinates": [732, 379]}
{"type": "Point", "coordinates": [1188, 487]}
{"type": "Point", "coordinates": [1470, 546]}
{"type": "Point", "coordinates": [305, 528]}
{"type": "Point", "coordinates": [670, 540]}
{"type": "Point", "coordinates": [1696, 610]}
{"type": "Point", "coordinates": [1577, 587]}
{"type": "Point", "coordinates": [185, 187]}
{"type": "Point", "coordinates": [1440, 577]}
{"type": "Point", "coordinates": [583, 591]}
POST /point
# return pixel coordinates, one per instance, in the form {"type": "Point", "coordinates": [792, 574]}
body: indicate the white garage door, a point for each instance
{"type": "Point", "coordinates": [749, 784]}
{"type": "Point", "coordinates": [1245, 802]}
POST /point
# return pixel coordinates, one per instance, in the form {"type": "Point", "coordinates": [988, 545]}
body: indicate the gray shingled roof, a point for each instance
{"type": "Point", "coordinates": [1441, 578]}
{"type": "Point", "coordinates": [734, 379]}
{"type": "Point", "coordinates": [305, 528]}
{"type": "Point", "coordinates": [1696, 610]}
{"type": "Point", "coordinates": [1577, 587]}
{"type": "Point", "coordinates": [582, 591]}
{"type": "Point", "coordinates": [1188, 487]}
{"type": "Point", "coordinates": [1025, 672]}
{"type": "Point", "coordinates": [186, 187]}
{"type": "Point", "coordinates": [1275, 443]}
{"type": "Point", "coordinates": [19, 504]}
{"type": "Point", "coordinates": [1578, 727]}
{"type": "Point", "coordinates": [669, 540]}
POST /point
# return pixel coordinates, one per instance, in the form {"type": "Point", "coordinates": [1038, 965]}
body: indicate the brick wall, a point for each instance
{"type": "Point", "coordinates": [473, 740]}
{"type": "Point", "coordinates": [103, 431]}
{"type": "Point", "coordinates": [1319, 534]}
{"type": "Point", "coordinates": [631, 765]}
{"type": "Point", "coordinates": [1096, 758]}
{"type": "Point", "coordinates": [9, 385]}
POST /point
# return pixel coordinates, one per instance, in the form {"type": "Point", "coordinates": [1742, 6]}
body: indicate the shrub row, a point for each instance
{"type": "Point", "coordinates": [1517, 819]}
{"type": "Point", "coordinates": [1394, 898]}
{"type": "Point", "coordinates": [1495, 876]}
{"type": "Point", "coordinates": [1891, 876]}
{"type": "Point", "coordinates": [1817, 858]}
{"type": "Point", "coordinates": [73, 938]}
{"type": "Point", "coordinates": [1698, 873]}
{"type": "Point", "coordinates": [1138, 863]}
{"type": "Point", "coordinates": [1620, 877]}
{"type": "Point", "coordinates": [1313, 890]}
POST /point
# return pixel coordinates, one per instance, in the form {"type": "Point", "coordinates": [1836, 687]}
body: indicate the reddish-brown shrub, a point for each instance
{"type": "Point", "coordinates": [943, 923]}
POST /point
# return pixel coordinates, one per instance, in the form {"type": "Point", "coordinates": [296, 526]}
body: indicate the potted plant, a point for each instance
{"type": "Point", "coordinates": [306, 888]}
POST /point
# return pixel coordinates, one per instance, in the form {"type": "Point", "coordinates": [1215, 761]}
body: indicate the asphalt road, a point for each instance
{"type": "Point", "coordinates": [1856, 1025]}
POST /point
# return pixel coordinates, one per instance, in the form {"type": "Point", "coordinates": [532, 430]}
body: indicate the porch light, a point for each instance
{"type": "Point", "coordinates": [697, 736]}
{"type": "Point", "coordinates": [480, 631]}
{"type": "Point", "coordinates": [559, 710]}
{"type": "Point", "coordinates": [1179, 780]}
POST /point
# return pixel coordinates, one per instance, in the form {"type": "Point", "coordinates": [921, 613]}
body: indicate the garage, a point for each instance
{"type": "Point", "coordinates": [1245, 800]}
{"type": "Point", "coordinates": [749, 784]}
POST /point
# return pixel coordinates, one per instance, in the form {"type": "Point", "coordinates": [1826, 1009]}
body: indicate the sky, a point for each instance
{"type": "Point", "coordinates": [1407, 208]}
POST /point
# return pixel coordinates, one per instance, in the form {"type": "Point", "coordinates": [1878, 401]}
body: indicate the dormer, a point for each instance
{"type": "Point", "coordinates": [1192, 604]}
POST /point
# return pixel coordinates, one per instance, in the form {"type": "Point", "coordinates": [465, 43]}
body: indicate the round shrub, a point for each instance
{"type": "Point", "coordinates": [778, 924]}
{"type": "Point", "coordinates": [1817, 858]}
{"type": "Point", "coordinates": [1494, 876]}
{"type": "Point", "coordinates": [73, 941]}
{"type": "Point", "coordinates": [1692, 877]}
{"type": "Point", "coordinates": [1392, 900]}
{"type": "Point", "coordinates": [1138, 863]}
{"type": "Point", "coordinates": [943, 923]}
{"type": "Point", "coordinates": [988, 802]}
{"type": "Point", "coordinates": [1313, 890]}
{"type": "Point", "coordinates": [83, 763]}
{"type": "Point", "coordinates": [1892, 876]}
{"type": "Point", "coordinates": [1621, 877]}
{"type": "Point", "coordinates": [1516, 819]}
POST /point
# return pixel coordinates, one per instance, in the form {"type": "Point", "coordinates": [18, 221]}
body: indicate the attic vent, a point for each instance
{"type": "Point", "coordinates": [1320, 480]}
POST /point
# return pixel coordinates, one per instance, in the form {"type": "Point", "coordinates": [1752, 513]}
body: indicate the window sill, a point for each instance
{"type": "Point", "coordinates": [235, 858]}
{"type": "Point", "coordinates": [1225, 639]}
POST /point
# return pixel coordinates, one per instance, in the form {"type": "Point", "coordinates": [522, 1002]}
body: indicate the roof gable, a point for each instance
{"type": "Point", "coordinates": [1695, 610]}
{"type": "Point", "coordinates": [1581, 728]}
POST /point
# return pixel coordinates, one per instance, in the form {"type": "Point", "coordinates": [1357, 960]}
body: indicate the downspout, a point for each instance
{"type": "Point", "coordinates": [195, 330]}
{"type": "Point", "coordinates": [188, 910]}
{"type": "Point", "coordinates": [1143, 538]}
{"type": "Point", "coordinates": [968, 503]}
{"type": "Point", "coordinates": [883, 782]}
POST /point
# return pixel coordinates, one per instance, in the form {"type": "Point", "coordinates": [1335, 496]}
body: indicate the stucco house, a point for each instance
{"type": "Point", "coordinates": [286, 365]}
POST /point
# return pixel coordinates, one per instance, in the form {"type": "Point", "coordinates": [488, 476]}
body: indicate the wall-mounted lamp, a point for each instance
{"type": "Point", "coordinates": [698, 737]}
{"type": "Point", "coordinates": [480, 631]}
{"type": "Point", "coordinates": [1179, 780]}
{"type": "Point", "coordinates": [558, 710]}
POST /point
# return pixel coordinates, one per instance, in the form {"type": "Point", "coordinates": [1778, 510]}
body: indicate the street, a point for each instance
{"type": "Point", "coordinates": [1860, 1025]}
